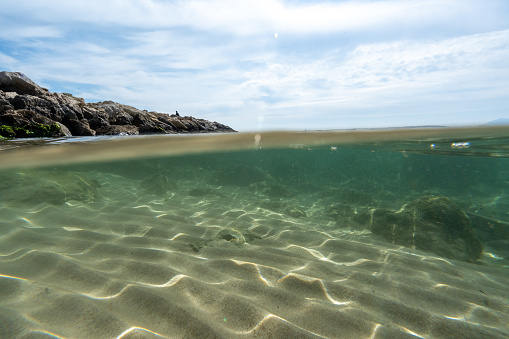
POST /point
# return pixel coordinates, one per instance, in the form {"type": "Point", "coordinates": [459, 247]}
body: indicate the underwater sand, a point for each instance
{"type": "Point", "coordinates": [139, 262]}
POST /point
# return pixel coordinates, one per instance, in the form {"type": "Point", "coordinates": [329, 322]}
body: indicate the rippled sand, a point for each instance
{"type": "Point", "coordinates": [126, 267]}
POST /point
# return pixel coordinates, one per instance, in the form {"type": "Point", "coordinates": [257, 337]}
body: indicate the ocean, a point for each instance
{"type": "Point", "coordinates": [343, 234]}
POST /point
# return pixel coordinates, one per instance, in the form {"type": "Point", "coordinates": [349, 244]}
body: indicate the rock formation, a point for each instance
{"type": "Point", "coordinates": [28, 110]}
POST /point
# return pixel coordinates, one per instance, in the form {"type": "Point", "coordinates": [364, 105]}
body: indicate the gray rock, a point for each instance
{"type": "Point", "coordinates": [118, 130]}
{"type": "Point", "coordinates": [80, 127]}
{"type": "Point", "coordinates": [24, 103]}
{"type": "Point", "coordinates": [97, 118]}
{"type": "Point", "coordinates": [19, 83]}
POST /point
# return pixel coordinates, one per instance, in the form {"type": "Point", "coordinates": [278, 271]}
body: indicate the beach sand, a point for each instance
{"type": "Point", "coordinates": [138, 265]}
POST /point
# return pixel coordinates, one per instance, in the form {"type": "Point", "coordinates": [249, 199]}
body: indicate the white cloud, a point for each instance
{"type": "Point", "coordinates": [386, 73]}
{"type": "Point", "coordinates": [7, 61]}
{"type": "Point", "coordinates": [219, 59]}
{"type": "Point", "coordinates": [251, 17]}
{"type": "Point", "coordinates": [16, 32]}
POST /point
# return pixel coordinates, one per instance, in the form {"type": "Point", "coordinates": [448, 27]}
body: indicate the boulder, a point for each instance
{"type": "Point", "coordinates": [432, 224]}
{"type": "Point", "coordinates": [19, 83]}
{"type": "Point", "coordinates": [97, 118]}
{"type": "Point", "coordinates": [80, 127]}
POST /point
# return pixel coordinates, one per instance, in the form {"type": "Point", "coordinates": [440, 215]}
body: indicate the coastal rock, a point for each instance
{"type": "Point", "coordinates": [24, 104]}
{"type": "Point", "coordinates": [431, 224]}
{"type": "Point", "coordinates": [79, 127]}
{"type": "Point", "coordinates": [19, 83]}
{"type": "Point", "coordinates": [96, 118]}
{"type": "Point", "coordinates": [118, 130]}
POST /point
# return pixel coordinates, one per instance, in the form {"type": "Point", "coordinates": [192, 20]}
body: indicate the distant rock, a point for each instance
{"type": "Point", "coordinates": [498, 122]}
{"type": "Point", "coordinates": [431, 224]}
{"type": "Point", "coordinates": [28, 110]}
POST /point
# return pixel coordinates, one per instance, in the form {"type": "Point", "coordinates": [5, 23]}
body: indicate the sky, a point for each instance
{"type": "Point", "coordinates": [259, 65]}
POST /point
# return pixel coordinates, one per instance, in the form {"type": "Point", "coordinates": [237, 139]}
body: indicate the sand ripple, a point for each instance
{"type": "Point", "coordinates": [124, 269]}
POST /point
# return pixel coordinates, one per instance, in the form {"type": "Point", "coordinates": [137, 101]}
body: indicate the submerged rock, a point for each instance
{"type": "Point", "coordinates": [431, 224]}
{"type": "Point", "coordinates": [232, 235]}
{"type": "Point", "coordinates": [158, 184]}
{"type": "Point", "coordinates": [46, 187]}
{"type": "Point", "coordinates": [349, 216]}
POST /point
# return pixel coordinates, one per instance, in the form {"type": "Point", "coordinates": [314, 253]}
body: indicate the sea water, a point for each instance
{"type": "Point", "coordinates": [324, 234]}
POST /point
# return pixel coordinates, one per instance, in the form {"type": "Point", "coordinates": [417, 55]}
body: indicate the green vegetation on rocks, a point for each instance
{"type": "Point", "coordinates": [29, 131]}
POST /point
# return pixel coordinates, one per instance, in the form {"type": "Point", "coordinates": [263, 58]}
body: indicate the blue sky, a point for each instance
{"type": "Point", "coordinates": [271, 64]}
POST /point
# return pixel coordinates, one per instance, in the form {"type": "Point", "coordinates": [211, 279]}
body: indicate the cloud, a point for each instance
{"type": "Point", "coordinates": [382, 76]}
{"type": "Point", "coordinates": [252, 17]}
{"type": "Point", "coordinates": [7, 60]}
{"type": "Point", "coordinates": [15, 32]}
{"type": "Point", "coordinates": [220, 60]}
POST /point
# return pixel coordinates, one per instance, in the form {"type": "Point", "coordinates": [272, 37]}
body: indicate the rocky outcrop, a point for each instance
{"type": "Point", "coordinates": [28, 110]}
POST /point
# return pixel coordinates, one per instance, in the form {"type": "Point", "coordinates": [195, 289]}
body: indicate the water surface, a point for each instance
{"type": "Point", "coordinates": [353, 234]}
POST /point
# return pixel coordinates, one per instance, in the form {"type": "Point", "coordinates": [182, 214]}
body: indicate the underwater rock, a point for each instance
{"type": "Point", "coordinates": [76, 187]}
{"type": "Point", "coordinates": [431, 224]}
{"type": "Point", "coordinates": [493, 233]}
{"type": "Point", "coordinates": [46, 187]}
{"type": "Point", "coordinates": [348, 216]}
{"type": "Point", "coordinates": [158, 184]}
{"type": "Point", "coordinates": [19, 188]}
{"type": "Point", "coordinates": [489, 229]}
{"type": "Point", "coordinates": [232, 235]}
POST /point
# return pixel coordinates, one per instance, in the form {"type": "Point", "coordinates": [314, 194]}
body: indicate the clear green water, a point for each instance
{"type": "Point", "coordinates": [307, 235]}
